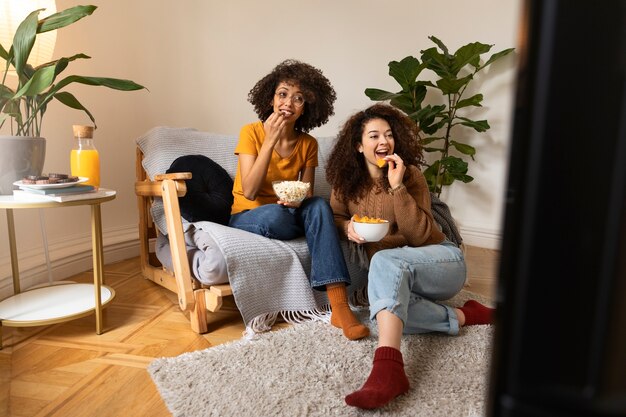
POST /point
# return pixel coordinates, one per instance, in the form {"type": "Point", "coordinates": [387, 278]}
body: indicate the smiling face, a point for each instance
{"type": "Point", "coordinates": [376, 143]}
{"type": "Point", "coordinates": [288, 100]}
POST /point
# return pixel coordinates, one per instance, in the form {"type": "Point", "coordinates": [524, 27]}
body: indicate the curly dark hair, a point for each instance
{"type": "Point", "coordinates": [319, 94]}
{"type": "Point", "coordinates": [346, 169]}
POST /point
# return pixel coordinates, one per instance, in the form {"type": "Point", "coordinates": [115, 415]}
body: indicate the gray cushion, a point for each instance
{"type": "Point", "coordinates": [162, 145]}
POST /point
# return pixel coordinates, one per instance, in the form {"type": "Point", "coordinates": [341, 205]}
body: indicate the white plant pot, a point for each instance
{"type": "Point", "coordinates": [20, 156]}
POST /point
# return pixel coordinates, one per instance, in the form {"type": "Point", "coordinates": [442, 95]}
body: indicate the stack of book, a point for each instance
{"type": "Point", "coordinates": [70, 193]}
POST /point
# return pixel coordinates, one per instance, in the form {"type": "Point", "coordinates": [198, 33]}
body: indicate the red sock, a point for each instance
{"type": "Point", "coordinates": [386, 381]}
{"type": "Point", "coordinates": [476, 313]}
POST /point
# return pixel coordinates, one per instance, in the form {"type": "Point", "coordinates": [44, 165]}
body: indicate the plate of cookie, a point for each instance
{"type": "Point", "coordinates": [53, 180]}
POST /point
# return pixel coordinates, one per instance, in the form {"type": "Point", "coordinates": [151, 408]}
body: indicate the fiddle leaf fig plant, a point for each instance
{"type": "Point", "coordinates": [438, 124]}
{"type": "Point", "coordinates": [26, 105]}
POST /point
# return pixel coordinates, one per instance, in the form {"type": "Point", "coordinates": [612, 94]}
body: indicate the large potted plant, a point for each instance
{"type": "Point", "coordinates": [441, 125]}
{"type": "Point", "coordinates": [23, 152]}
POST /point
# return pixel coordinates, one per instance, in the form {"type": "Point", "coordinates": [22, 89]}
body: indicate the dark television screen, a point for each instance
{"type": "Point", "coordinates": [560, 339]}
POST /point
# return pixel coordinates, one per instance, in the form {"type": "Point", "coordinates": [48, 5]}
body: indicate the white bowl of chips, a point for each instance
{"type": "Point", "coordinates": [291, 191]}
{"type": "Point", "coordinates": [372, 229]}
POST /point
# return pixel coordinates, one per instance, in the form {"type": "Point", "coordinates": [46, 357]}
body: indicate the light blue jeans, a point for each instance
{"type": "Point", "coordinates": [408, 282]}
{"type": "Point", "coordinates": [313, 220]}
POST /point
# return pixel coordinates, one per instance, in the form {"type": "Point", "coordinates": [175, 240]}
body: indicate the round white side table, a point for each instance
{"type": "Point", "coordinates": [61, 302]}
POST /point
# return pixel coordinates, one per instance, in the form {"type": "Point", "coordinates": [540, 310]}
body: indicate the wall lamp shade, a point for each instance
{"type": "Point", "coordinates": [13, 12]}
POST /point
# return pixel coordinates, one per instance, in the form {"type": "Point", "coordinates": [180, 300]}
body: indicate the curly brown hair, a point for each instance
{"type": "Point", "coordinates": [319, 94]}
{"type": "Point", "coordinates": [346, 169]}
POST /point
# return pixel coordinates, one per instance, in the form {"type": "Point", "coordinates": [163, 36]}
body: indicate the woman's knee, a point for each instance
{"type": "Point", "coordinates": [385, 260]}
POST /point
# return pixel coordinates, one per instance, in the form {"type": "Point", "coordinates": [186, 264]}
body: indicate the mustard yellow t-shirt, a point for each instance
{"type": "Point", "coordinates": [251, 138]}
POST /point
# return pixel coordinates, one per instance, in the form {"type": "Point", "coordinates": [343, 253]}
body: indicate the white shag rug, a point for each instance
{"type": "Point", "coordinates": [308, 369]}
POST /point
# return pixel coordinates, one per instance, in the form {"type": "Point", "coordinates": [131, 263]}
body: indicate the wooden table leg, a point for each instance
{"type": "Point", "coordinates": [15, 270]}
{"type": "Point", "coordinates": [98, 262]}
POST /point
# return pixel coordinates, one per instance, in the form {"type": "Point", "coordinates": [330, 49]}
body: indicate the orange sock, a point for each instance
{"type": "Point", "coordinates": [386, 381]}
{"type": "Point", "coordinates": [342, 316]}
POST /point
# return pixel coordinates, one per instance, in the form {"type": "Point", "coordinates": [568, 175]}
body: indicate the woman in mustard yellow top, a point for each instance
{"type": "Point", "coordinates": [290, 101]}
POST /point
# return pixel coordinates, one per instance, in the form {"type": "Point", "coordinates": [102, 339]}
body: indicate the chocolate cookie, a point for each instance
{"type": "Point", "coordinates": [57, 175]}
{"type": "Point", "coordinates": [32, 179]}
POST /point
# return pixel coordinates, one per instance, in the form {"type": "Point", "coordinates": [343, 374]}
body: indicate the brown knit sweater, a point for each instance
{"type": "Point", "coordinates": [411, 222]}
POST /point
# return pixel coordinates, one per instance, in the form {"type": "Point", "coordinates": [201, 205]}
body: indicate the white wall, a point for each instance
{"type": "Point", "coordinates": [199, 59]}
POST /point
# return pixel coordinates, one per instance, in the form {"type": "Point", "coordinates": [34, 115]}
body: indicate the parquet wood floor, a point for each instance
{"type": "Point", "coordinates": [67, 370]}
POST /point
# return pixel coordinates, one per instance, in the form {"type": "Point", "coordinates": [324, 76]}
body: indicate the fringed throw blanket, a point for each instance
{"type": "Point", "coordinates": [270, 277]}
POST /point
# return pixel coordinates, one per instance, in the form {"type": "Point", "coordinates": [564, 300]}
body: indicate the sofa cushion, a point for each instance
{"type": "Point", "coordinates": [209, 191]}
{"type": "Point", "coordinates": [162, 145]}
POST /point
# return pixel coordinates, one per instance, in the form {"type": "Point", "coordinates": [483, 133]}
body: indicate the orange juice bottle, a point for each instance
{"type": "Point", "coordinates": [84, 159]}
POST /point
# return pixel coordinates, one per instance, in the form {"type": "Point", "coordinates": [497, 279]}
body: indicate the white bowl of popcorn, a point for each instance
{"type": "Point", "coordinates": [291, 191]}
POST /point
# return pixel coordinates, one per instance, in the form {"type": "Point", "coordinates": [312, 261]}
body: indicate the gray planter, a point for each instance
{"type": "Point", "coordinates": [20, 156]}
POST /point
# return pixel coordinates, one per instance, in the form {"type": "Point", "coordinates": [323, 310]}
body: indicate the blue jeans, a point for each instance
{"type": "Point", "coordinates": [408, 282]}
{"type": "Point", "coordinates": [313, 220]}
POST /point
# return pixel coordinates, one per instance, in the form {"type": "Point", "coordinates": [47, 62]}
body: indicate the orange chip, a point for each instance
{"type": "Point", "coordinates": [366, 219]}
{"type": "Point", "coordinates": [381, 162]}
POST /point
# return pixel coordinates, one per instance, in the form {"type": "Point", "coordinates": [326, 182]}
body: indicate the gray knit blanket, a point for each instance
{"type": "Point", "coordinates": [270, 278]}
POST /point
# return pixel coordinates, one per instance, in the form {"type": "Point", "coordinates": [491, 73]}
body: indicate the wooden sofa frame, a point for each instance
{"type": "Point", "coordinates": [194, 298]}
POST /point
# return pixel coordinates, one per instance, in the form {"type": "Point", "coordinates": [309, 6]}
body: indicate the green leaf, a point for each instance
{"type": "Point", "coordinates": [469, 54]}
{"type": "Point", "coordinates": [4, 54]}
{"type": "Point", "coordinates": [406, 71]}
{"type": "Point", "coordinates": [452, 85]}
{"type": "Point", "coordinates": [41, 80]}
{"type": "Point", "coordinates": [431, 177]}
{"type": "Point", "coordinates": [71, 101]}
{"type": "Point", "coordinates": [64, 18]}
{"type": "Point", "coordinates": [12, 109]}
{"type": "Point", "coordinates": [430, 139]}
{"type": "Point", "coordinates": [23, 41]}
{"type": "Point", "coordinates": [447, 178]}
{"type": "Point", "coordinates": [440, 64]}
{"type": "Point", "coordinates": [5, 94]}
{"type": "Point", "coordinates": [410, 101]}
{"type": "Point", "coordinates": [429, 112]}
{"type": "Point", "coordinates": [431, 128]}
{"type": "Point", "coordinates": [430, 149]}
{"type": "Point", "coordinates": [464, 178]}
{"type": "Point", "coordinates": [498, 55]}
{"type": "Point", "coordinates": [477, 125]}
{"type": "Point", "coordinates": [454, 165]}
{"type": "Point", "coordinates": [114, 83]}
{"type": "Point", "coordinates": [471, 101]}
{"type": "Point", "coordinates": [426, 117]}
{"type": "Point", "coordinates": [64, 61]}
{"type": "Point", "coordinates": [419, 94]}
{"type": "Point", "coordinates": [464, 148]}
{"type": "Point", "coordinates": [380, 95]}
{"type": "Point", "coordinates": [441, 45]}
{"type": "Point", "coordinates": [403, 102]}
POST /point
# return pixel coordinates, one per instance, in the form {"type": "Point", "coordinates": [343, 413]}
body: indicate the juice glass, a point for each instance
{"type": "Point", "coordinates": [84, 158]}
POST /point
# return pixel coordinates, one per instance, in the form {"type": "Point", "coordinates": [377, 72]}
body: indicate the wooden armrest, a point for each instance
{"type": "Point", "coordinates": [173, 176]}
{"type": "Point", "coordinates": [148, 188]}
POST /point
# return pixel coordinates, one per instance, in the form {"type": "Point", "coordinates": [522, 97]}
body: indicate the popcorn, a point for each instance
{"type": "Point", "coordinates": [291, 191]}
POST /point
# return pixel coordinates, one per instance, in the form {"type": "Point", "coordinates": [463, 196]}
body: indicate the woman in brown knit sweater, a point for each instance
{"type": "Point", "coordinates": [412, 267]}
